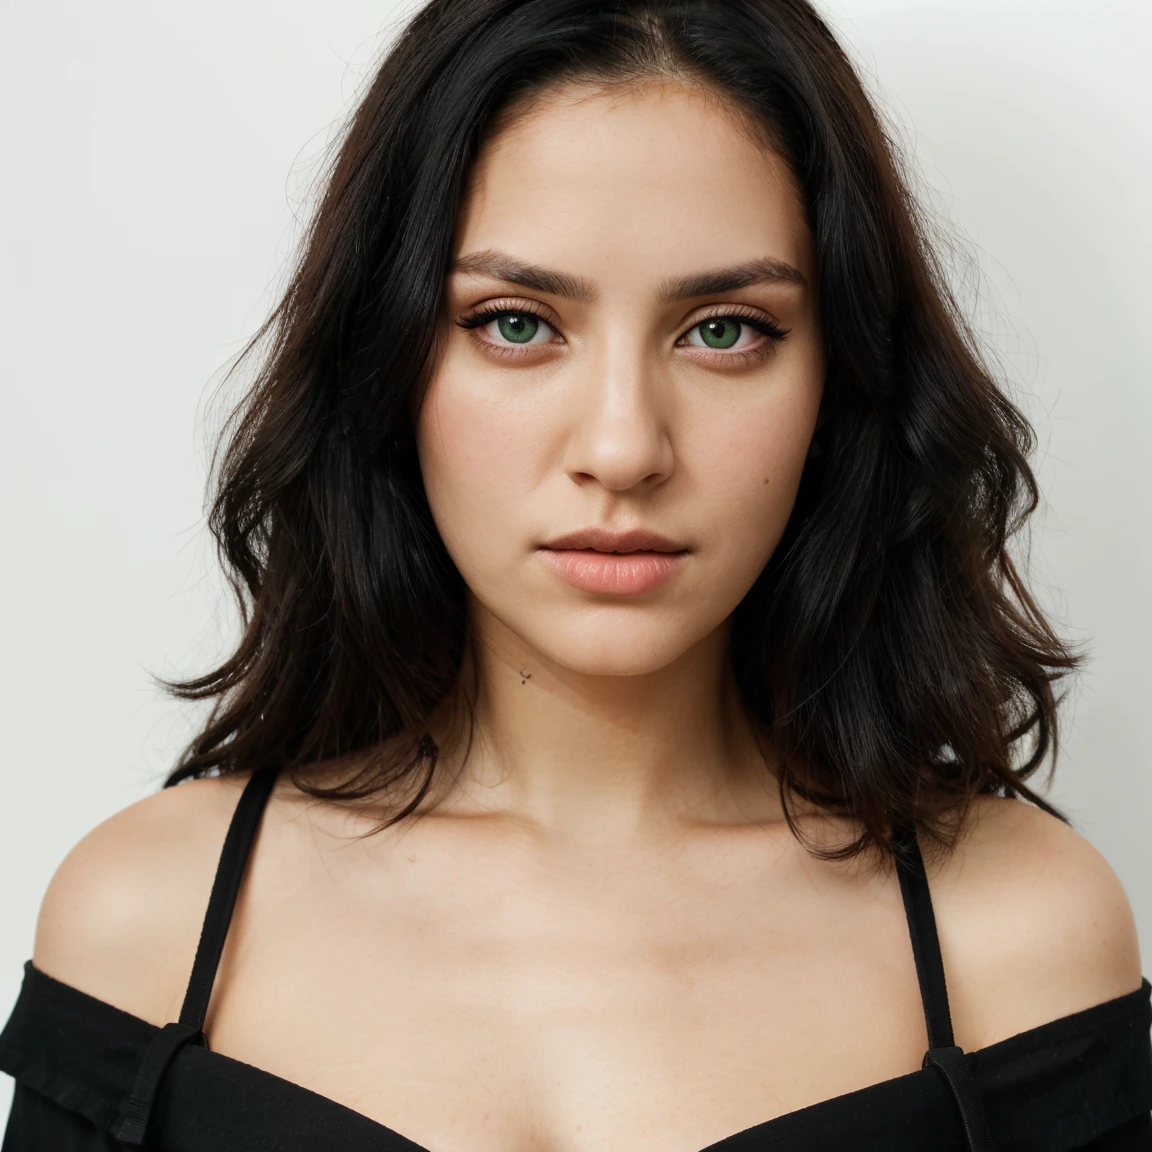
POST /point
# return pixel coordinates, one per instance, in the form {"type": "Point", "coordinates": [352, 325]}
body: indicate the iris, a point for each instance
{"type": "Point", "coordinates": [518, 327]}
{"type": "Point", "coordinates": [722, 332]}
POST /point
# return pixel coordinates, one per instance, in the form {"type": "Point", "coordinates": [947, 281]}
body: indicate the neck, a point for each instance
{"type": "Point", "coordinates": [588, 757]}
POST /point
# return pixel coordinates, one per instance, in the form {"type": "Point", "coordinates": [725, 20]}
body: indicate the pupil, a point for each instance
{"type": "Point", "coordinates": [517, 327]}
{"type": "Point", "coordinates": [720, 333]}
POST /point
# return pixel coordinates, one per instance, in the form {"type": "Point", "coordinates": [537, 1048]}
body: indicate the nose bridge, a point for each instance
{"type": "Point", "coordinates": [620, 434]}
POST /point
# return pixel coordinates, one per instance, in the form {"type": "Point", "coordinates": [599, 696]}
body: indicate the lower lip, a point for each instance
{"type": "Point", "coordinates": [613, 573]}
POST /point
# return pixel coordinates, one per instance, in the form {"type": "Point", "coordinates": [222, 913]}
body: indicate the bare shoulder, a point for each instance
{"type": "Point", "coordinates": [1034, 924]}
{"type": "Point", "coordinates": [122, 915]}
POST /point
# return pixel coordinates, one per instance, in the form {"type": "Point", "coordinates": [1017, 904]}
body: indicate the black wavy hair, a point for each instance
{"type": "Point", "coordinates": [890, 643]}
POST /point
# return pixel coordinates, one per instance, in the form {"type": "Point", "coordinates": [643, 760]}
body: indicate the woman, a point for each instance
{"type": "Point", "coordinates": [620, 515]}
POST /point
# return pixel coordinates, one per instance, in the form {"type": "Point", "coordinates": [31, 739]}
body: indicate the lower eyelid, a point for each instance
{"type": "Point", "coordinates": [711, 354]}
{"type": "Point", "coordinates": [508, 351]}
{"type": "Point", "coordinates": [716, 356]}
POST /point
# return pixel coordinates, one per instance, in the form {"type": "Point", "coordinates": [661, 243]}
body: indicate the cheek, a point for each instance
{"type": "Point", "coordinates": [750, 464]}
{"type": "Point", "coordinates": [480, 454]}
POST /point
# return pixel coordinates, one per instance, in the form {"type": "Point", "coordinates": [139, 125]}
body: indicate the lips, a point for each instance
{"type": "Point", "coordinates": [602, 561]}
{"type": "Point", "coordinates": [606, 540]}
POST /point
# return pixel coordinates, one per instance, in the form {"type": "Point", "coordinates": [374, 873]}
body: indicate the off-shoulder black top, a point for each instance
{"type": "Point", "coordinates": [92, 1078]}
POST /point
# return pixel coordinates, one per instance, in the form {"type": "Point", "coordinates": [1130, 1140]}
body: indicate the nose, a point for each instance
{"type": "Point", "coordinates": [620, 434]}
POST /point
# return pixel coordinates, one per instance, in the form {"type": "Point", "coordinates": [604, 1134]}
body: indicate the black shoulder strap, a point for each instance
{"type": "Point", "coordinates": [925, 941]}
{"type": "Point", "coordinates": [135, 1113]}
{"type": "Point", "coordinates": [225, 889]}
{"type": "Point", "coordinates": [942, 1050]}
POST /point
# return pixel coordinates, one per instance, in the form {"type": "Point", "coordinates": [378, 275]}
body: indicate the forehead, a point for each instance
{"type": "Point", "coordinates": [662, 175]}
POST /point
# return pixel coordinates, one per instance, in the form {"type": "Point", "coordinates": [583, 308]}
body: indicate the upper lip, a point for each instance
{"type": "Point", "coordinates": [607, 540]}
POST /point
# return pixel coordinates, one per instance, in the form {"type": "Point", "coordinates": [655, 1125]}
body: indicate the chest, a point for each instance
{"type": "Point", "coordinates": [633, 1003]}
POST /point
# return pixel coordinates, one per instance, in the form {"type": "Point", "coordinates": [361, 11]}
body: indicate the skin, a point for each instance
{"type": "Point", "coordinates": [615, 420]}
{"type": "Point", "coordinates": [601, 935]}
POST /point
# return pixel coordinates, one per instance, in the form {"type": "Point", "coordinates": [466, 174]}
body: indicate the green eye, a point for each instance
{"type": "Point", "coordinates": [518, 327]}
{"type": "Point", "coordinates": [722, 332]}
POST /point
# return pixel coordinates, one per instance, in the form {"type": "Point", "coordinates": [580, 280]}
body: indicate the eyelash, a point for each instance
{"type": "Point", "coordinates": [768, 328]}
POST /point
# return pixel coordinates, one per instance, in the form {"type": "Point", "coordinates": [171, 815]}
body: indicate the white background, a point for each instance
{"type": "Point", "coordinates": [153, 163]}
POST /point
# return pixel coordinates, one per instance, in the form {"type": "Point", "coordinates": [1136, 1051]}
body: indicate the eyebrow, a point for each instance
{"type": "Point", "coordinates": [762, 270]}
{"type": "Point", "coordinates": [501, 266]}
{"type": "Point", "coordinates": [512, 271]}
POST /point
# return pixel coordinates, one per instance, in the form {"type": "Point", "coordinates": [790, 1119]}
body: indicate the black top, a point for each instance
{"type": "Point", "coordinates": [91, 1078]}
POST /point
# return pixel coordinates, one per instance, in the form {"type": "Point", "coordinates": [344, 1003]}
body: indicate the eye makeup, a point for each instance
{"type": "Point", "coordinates": [513, 329]}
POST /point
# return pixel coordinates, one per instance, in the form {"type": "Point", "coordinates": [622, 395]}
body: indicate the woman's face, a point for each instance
{"type": "Point", "coordinates": [630, 376]}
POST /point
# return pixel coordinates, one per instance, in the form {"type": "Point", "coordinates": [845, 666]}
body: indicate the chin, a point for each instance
{"type": "Point", "coordinates": [609, 645]}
